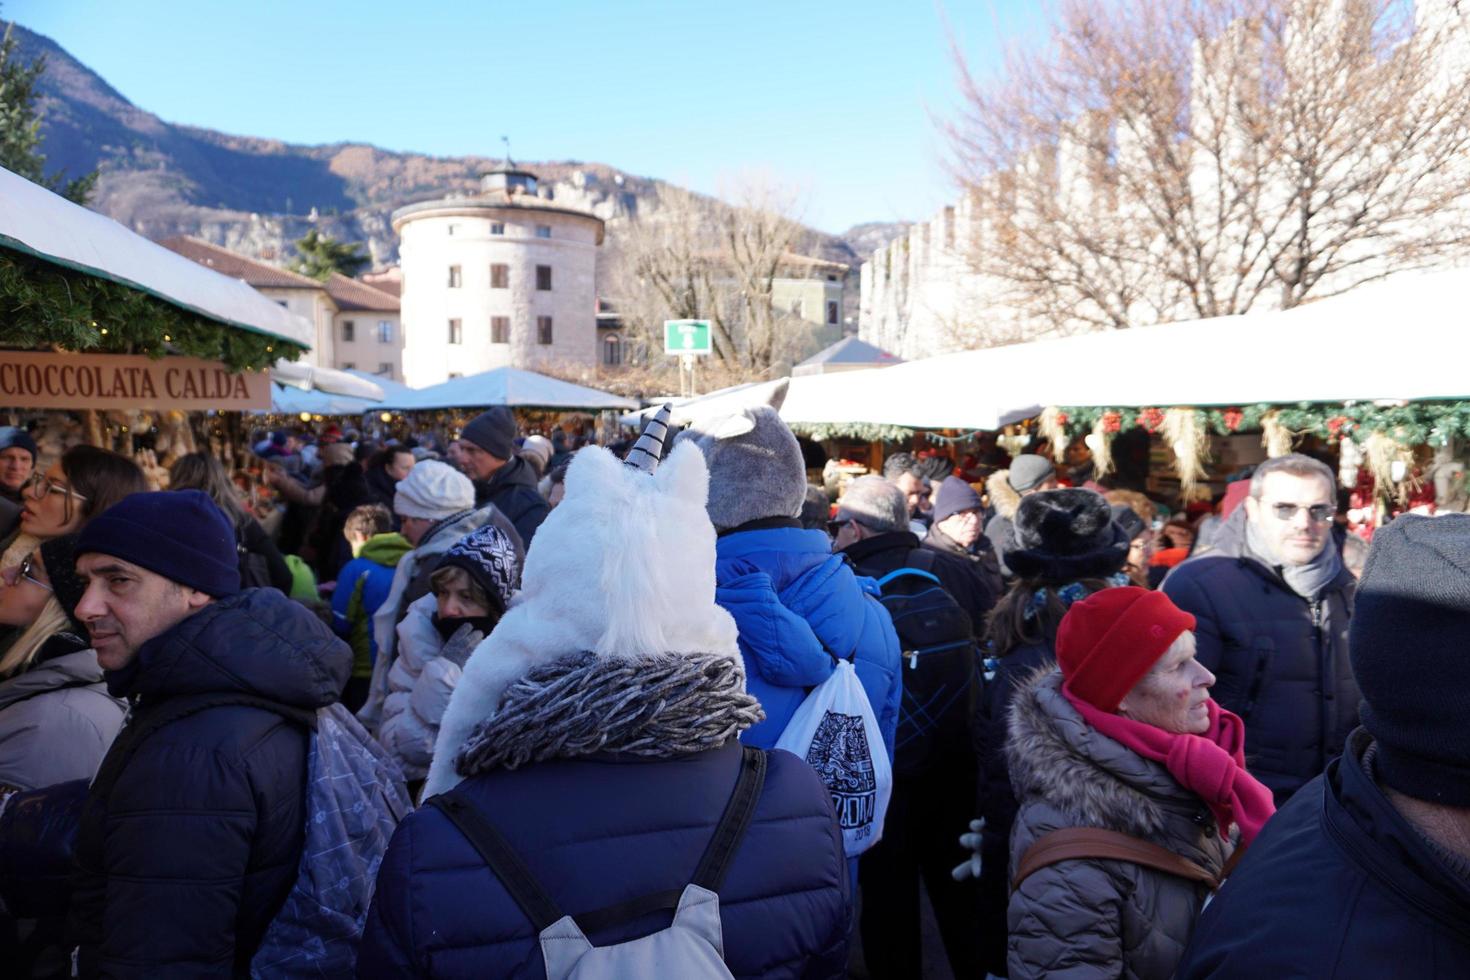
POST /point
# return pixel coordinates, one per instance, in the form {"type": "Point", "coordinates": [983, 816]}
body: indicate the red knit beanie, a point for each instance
{"type": "Point", "coordinates": [1107, 642]}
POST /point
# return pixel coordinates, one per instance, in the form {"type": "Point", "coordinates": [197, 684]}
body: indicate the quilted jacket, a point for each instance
{"type": "Point", "coordinates": [600, 830]}
{"type": "Point", "coordinates": [1093, 917]}
{"type": "Point", "coordinates": [184, 864]}
{"type": "Point", "coordinates": [797, 605]}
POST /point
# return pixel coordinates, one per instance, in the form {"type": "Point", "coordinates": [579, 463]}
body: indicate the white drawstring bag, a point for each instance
{"type": "Point", "coordinates": [836, 732]}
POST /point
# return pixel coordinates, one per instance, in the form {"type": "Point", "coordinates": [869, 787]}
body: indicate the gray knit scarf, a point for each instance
{"type": "Point", "coordinates": [658, 707]}
{"type": "Point", "coordinates": [1307, 580]}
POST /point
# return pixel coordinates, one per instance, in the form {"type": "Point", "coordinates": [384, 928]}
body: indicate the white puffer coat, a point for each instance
{"type": "Point", "coordinates": [423, 676]}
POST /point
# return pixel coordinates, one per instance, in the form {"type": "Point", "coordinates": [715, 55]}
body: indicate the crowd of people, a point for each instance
{"type": "Point", "coordinates": [513, 708]}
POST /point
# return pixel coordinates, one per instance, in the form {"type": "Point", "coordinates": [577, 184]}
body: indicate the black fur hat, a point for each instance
{"type": "Point", "coordinates": [1065, 535]}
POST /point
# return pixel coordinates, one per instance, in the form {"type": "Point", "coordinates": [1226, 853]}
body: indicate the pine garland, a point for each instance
{"type": "Point", "coordinates": [45, 305]}
{"type": "Point", "coordinates": [1417, 423]}
{"type": "Point", "coordinates": [867, 432]}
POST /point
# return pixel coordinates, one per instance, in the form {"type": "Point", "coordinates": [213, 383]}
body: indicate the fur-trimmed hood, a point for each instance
{"type": "Point", "coordinates": [1056, 758]}
{"type": "Point", "coordinates": [1003, 496]}
{"type": "Point", "coordinates": [624, 568]}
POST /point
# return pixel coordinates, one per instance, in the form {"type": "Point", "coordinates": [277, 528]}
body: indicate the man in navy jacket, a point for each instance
{"type": "Point", "coordinates": [192, 832]}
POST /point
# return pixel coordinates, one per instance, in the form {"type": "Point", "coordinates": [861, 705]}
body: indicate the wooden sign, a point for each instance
{"type": "Point", "coordinates": [127, 381]}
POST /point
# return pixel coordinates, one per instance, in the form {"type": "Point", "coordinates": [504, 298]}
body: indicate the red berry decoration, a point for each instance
{"type": "Point", "coordinates": [1335, 424]}
{"type": "Point", "coordinates": [1151, 419]}
{"type": "Point", "coordinates": [1233, 417]}
{"type": "Point", "coordinates": [1112, 421]}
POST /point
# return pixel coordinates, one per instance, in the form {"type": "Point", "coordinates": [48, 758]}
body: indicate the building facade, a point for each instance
{"type": "Point", "coordinates": [355, 325]}
{"type": "Point", "coordinates": [506, 277]}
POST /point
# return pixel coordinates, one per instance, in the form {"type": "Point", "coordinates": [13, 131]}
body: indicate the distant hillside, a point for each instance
{"type": "Point", "coordinates": [258, 195]}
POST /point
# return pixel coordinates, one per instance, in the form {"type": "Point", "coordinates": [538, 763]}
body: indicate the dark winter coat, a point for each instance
{"type": "Point", "coordinates": [512, 489]}
{"type": "Point", "coordinates": [600, 830]}
{"type": "Point", "coordinates": [1092, 917]}
{"type": "Point", "coordinates": [10, 509]}
{"type": "Point", "coordinates": [976, 582]}
{"type": "Point", "coordinates": [997, 800]}
{"type": "Point", "coordinates": [957, 573]}
{"type": "Point", "coordinates": [1281, 661]}
{"type": "Point", "coordinates": [1339, 885]}
{"type": "Point", "coordinates": [184, 864]}
{"type": "Point", "coordinates": [56, 718]}
{"type": "Point", "coordinates": [255, 541]}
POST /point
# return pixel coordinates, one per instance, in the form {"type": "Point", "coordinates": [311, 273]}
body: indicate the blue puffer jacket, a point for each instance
{"type": "Point", "coordinates": [1339, 885]}
{"type": "Point", "coordinates": [1282, 662]}
{"type": "Point", "coordinates": [794, 601]}
{"type": "Point", "coordinates": [184, 864]}
{"type": "Point", "coordinates": [597, 831]}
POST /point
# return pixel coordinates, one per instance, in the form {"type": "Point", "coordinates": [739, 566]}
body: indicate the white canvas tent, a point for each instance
{"type": "Point", "coordinates": [37, 222]}
{"type": "Point", "coordinates": [1406, 338]}
{"type": "Point", "coordinates": [508, 386]}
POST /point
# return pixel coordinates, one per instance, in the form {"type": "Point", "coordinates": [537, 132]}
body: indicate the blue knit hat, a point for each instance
{"type": "Point", "coordinates": [955, 496]}
{"type": "Point", "coordinates": [179, 534]}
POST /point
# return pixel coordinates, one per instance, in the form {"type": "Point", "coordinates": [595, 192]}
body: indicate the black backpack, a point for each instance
{"type": "Point", "coordinates": [939, 663]}
{"type": "Point", "coordinates": [255, 573]}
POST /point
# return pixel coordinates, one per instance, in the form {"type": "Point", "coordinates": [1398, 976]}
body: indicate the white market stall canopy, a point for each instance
{"type": "Point", "coordinates": [291, 400]}
{"type": "Point", "coordinates": [1406, 338]}
{"type": "Point", "coordinates": [512, 387]}
{"type": "Point", "coordinates": [37, 222]}
{"type": "Point", "coordinates": [310, 378]}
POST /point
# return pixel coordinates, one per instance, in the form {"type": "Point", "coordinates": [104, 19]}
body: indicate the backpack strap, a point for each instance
{"type": "Point", "coordinates": [503, 860]}
{"type": "Point", "coordinates": [1109, 845]}
{"type": "Point", "coordinates": [543, 911]}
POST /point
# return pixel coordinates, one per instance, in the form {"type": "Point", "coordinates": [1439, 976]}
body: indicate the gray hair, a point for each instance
{"type": "Point", "coordinates": [898, 464]}
{"type": "Point", "coordinates": [876, 503]}
{"type": "Point", "coordinates": [1297, 465]}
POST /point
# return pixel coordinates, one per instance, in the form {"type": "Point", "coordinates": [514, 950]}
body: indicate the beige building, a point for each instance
{"type": "Point", "coordinates": [356, 325]}
{"type": "Point", "coordinates": [505, 277]}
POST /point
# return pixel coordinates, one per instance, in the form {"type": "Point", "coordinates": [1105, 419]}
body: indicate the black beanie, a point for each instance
{"type": "Point", "coordinates": [59, 556]}
{"type": "Point", "coordinates": [955, 495]}
{"type": "Point", "coordinates": [1065, 535]}
{"type": "Point", "coordinates": [179, 534]}
{"type": "Point", "coordinates": [1407, 641]}
{"type": "Point", "coordinates": [493, 431]}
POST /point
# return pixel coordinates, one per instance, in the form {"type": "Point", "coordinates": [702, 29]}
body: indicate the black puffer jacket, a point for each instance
{"type": "Point", "coordinates": [184, 863]}
{"type": "Point", "coordinates": [513, 492]}
{"type": "Point", "coordinates": [1282, 662]}
{"type": "Point", "coordinates": [977, 584]}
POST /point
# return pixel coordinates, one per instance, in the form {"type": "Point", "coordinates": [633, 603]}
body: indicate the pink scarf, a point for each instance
{"type": "Point", "coordinates": [1212, 765]}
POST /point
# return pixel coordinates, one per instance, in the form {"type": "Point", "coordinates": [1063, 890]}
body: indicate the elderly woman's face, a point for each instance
{"type": "Point", "coordinates": [1174, 695]}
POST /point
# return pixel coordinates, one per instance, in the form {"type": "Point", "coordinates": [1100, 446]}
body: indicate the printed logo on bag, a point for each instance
{"type": "Point", "coordinates": [840, 755]}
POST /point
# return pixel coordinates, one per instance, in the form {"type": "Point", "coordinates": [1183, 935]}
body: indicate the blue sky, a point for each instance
{"type": "Point", "coordinates": [833, 99]}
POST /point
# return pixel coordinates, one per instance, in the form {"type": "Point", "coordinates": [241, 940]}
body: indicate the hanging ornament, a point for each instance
{"type": "Point", "coordinates": [1111, 422]}
{"type": "Point", "coordinates": [1185, 430]}
{"type": "Point", "coordinates": [1100, 443]}
{"type": "Point", "coordinates": [1151, 419]}
{"type": "Point", "coordinates": [1012, 441]}
{"type": "Point", "coordinates": [1335, 426]}
{"type": "Point", "coordinates": [1349, 462]}
{"type": "Point", "coordinates": [1053, 427]}
{"type": "Point", "coordinates": [1232, 417]}
{"type": "Point", "coordinates": [1389, 463]}
{"type": "Point", "coordinates": [1276, 437]}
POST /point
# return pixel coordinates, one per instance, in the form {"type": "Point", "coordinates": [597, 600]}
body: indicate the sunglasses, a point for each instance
{"type": "Point", "coordinates": [24, 571]}
{"type": "Point", "coordinates": [834, 526]}
{"type": "Point", "coordinates": [1317, 512]}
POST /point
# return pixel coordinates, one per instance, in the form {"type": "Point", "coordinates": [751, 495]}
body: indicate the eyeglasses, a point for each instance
{"type": "Point", "coordinates": [23, 571]}
{"type": "Point", "coordinates": [1317, 512]}
{"type": "Point", "coordinates": [39, 485]}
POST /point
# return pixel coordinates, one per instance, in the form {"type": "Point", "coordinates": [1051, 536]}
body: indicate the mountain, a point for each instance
{"type": "Point", "coordinates": [256, 196]}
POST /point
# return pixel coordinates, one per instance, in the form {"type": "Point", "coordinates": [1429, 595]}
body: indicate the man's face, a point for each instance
{"type": "Point", "coordinates": [414, 528]}
{"type": "Point", "coordinates": [15, 467]}
{"type": "Point", "coordinates": [963, 528]}
{"type": "Point", "coordinates": [126, 606]}
{"type": "Point", "coordinates": [1284, 519]}
{"type": "Point", "coordinates": [398, 468]}
{"type": "Point", "coordinates": [475, 463]}
{"type": "Point", "coordinates": [913, 488]}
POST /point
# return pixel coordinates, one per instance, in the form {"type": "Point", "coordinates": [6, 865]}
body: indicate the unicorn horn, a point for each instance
{"type": "Point", "coordinates": [649, 448]}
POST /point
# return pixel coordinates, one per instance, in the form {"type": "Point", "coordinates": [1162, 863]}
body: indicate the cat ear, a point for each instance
{"type": "Point", "coordinates": [684, 475]}
{"type": "Point", "coordinates": [729, 427]}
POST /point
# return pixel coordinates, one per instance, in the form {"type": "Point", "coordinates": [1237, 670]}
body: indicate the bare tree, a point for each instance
{"type": "Point", "coordinates": [1169, 159]}
{"type": "Point", "coordinates": [693, 257]}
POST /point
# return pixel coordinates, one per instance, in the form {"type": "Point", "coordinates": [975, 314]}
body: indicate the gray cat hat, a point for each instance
{"type": "Point", "coordinates": [755, 465]}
